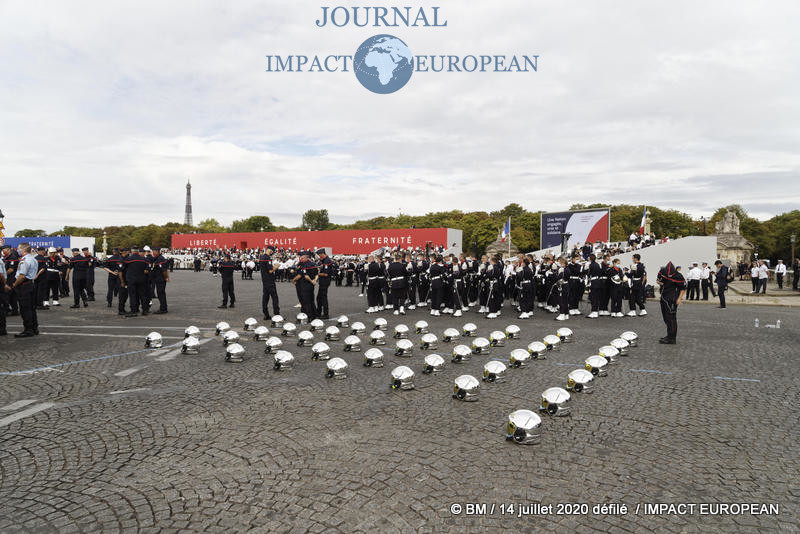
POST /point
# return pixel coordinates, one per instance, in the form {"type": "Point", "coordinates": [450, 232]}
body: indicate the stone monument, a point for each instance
{"type": "Point", "coordinates": [731, 245]}
{"type": "Point", "coordinates": [502, 248]}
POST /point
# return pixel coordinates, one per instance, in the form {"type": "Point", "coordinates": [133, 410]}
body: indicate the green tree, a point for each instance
{"type": "Point", "coordinates": [255, 223]}
{"type": "Point", "coordinates": [210, 226]}
{"type": "Point", "coordinates": [27, 232]}
{"type": "Point", "coordinates": [315, 220]}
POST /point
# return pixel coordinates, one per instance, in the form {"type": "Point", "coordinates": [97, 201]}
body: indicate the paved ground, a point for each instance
{"type": "Point", "coordinates": [124, 439]}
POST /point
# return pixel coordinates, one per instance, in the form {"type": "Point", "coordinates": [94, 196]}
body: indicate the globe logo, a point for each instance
{"type": "Point", "coordinates": [383, 64]}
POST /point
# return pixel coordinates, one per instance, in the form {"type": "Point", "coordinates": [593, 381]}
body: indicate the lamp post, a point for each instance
{"type": "Point", "coordinates": [703, 218]}
{"type": "Point", "coordinates": [105, 244]}
{"type": "Point", "coordinates": [794, 271]}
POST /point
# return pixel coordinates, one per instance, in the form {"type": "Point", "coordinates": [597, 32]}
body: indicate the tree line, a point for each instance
{"type": "Point", "coordinates": [480, 228]}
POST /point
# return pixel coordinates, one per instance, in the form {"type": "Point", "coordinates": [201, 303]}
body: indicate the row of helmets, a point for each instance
{"type": "Point", "coordinates": [523, 426]}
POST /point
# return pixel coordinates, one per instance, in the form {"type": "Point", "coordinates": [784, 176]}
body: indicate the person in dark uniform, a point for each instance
{"type": "Point", "coordinates": [616, 278]}
{"type": "Point", "coordinates": [673, 286]}
{"type": "Point", "coordinates": [23, 285]}
{"type": "Point", "coordinates": [40, 281]}
{"type": "Point", "coordinates": [373, 272]}
{"type": "Point", "coordinates": [123, 288]}
{"type": "Point", "coordinates": [91, 263]}
{"type": "Point", "coordinates": [63, 268]}
{"type": "Point", "coordinates": [113, 266]}
{"type": "Point", "coordinates": [135, 279]}
{"type": "Point", "coordinates": [435, 274]}
{"type": "Point", "coordinates": [349, 273]}
{"type": "Point", "coordinates": [78, 267]}
{"type": "Point", "coordinates": [722, 281]}
{"type": "Point", "coordinates": [54, 262]}
{"type": "Point", "coordinates": [596, 283]}
{"type": "Point", "coordinates": [306, 277]}
{"type": "Point", "coordinates": [197, 264]}
{"type": "Point", "coordinates": [268, 288]}
{"type": "Point", "coordinates": [11, 259]}
{"type": "Point", "coordinates": [226, 268]}
{"type": "Point", "coordinates": [638, 276]}
{"type": "Point", "coordinates": [397, 284]}
{"type": "Point", "coordinates": [575, 286]}
{"type": "Point", "coordinates": [159, 276]}
{"type": "Point", "coordinates": [424, 285]}
{"type": "Point", "coordinates": [412, 275]}
{"type": "Point", "coordinates": [327, 269]}
{"type": "Point", "coordinates": [4, 289]}
{"type": "Point", "coordinates": [524, 276]}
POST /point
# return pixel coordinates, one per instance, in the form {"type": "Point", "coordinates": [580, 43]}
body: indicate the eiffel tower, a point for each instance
{"type": "Point", "coordinates": [187, 218]}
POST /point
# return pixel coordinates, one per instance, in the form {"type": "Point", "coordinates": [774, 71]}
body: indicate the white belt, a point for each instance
{"type": "Point", "coordinates": [397, 278]}
{"type": "Point", "coordinates": [435, 277]}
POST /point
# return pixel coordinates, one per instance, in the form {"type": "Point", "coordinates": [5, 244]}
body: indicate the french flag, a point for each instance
{"type": "Point", "coordinates": [641, 225]}
{"type": "Point", "coordinates": [506, 231]}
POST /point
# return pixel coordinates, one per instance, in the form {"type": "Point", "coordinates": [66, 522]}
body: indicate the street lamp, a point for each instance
{"type": "Point", "coordinates": [792, 239]}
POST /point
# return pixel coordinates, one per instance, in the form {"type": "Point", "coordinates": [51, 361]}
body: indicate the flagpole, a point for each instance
{"type": "Point", "coordinates": [509, 237]}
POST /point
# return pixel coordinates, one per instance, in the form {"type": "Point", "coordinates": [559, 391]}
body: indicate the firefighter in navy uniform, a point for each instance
{"type": "Point", "coordinates": [412, 274]}
{"type": "Point", "coordinates": [226, 268]}
{"type": "Point", "coordinates": [424, 285]}
{"type": "Point", "coordinates": [396, 272]}
{"type": "Point", "coordinates": [4, 290]}
{"type": "Point", "coordinates": [113, 266]}
{"type": "Point", "coordinates": [137, 267]}
{"type": "Point", "coordinates": [306, 278]}
{"type": "Point", "coordinates": [40, 281]}
{"type": "Point", "coordinates": [673, 286]}
{"type": "Point", "coordinates": [123, 287]}
{"type": "Point", "coordinates": [78, 268]}
{"type": "Point", "coordinates": [327, 270]}
{"type": "Point", "coordinates": [11, 259]}
{"type": "Point", "coordinates": [54, 262]}
{"type": "Point", "coordinates": [435, 274]}
{"type": "Point", "coordinates": [63, 282]}
{"type": "Point", "coordinates": [159, 276]}
{"type": "Point", "coordinates": [638, 277]}
{"type": "Point", "coordinates": [268, 288]}
{"type": "Point", "coordinates": [91, 263]}
{"type": "Point", "coordinates": [596, 284]}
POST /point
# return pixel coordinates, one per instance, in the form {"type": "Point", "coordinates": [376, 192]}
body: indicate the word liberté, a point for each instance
{"type": "Point", "coordinates": [377, 16]}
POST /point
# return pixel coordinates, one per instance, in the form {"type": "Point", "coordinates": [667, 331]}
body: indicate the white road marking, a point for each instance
{"type": "Point", "coordinates": [174, 353]}
{"type": "Point", "coordinates": [36, 408]}
{"type": "Point", "coordinates": [128, 391]}
{"type": "Point", "coordinates": [17, 405]}
{"type": "Point", "coordinates": [78, 326]}
{"type": "Point", "coordinates": [127, 372]}
{"type": "Point", "coordinates": [99, 335]}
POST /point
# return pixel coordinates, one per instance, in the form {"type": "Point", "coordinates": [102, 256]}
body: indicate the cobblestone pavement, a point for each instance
{"type": "Point", "coordinates": [99, 434]}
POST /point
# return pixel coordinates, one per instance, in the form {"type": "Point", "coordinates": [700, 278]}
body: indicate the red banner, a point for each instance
{"type": "Point", "coordinates": [340, 241]}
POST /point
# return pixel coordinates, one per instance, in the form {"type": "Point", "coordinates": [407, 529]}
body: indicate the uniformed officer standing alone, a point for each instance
{"type": "Point", "coordinates": [226, 268]}
{"type": "Point", "coordinates": [673, 285]}
{"type": "Point", "coordinates": [268, 289]}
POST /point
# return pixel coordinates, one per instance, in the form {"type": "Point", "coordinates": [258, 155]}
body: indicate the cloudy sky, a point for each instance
{"type": "Point", "coordinates": [107, 107]}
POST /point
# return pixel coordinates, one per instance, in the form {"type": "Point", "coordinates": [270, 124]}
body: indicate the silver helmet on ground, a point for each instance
{"type": "Point", "coordinates": [230, 337]}
{"type": "Point", "coordinates": [380, 324]}
{"type": "Point", "coordinates": [284, 361]}
{"type": "Point", "coordinates": [332, 333]}
{"type": "Point", "coordinates": [565, 334]}
{"type": "Point", "coordinates": [320, 351]}
{"type": "Point", "coordinates": [631, 337]}
{"type": "Point", "coordinates": [404, 347]}
{"type": "Point", "coordinates": [466, 388]}
{"type": "Point", "coordinates": [343, 321]}
{"type": "Point", "coordinates": [272, 345]}
{"type": "Point", "coordinates": [400, 332]}
{"type": "Point", "coordinates": [537, 350]}
{"type": "Point", "coordinates": [519, 358]}
{"type": "Point", "coordinates": [316, 325]}
{"type": "Point", "coordinates": [289, 330]}
{"type": "Point", "coordinates": [555, 401]}
{"type": "Point", "coordinates": [358, 328]}
{"type": "Point", "coordinates": [429, 342]}
{"type": "Point", "coordinates": [305, 339]}
{"type": "Point", "coordinates": [190, 345]}
{"type": "Point", "coordinates": [261, 333]}
{"type": "Point", "coordinates": [461, 353]}
{"type": "Point", "coordinates": [221, 328]}
{"type": "Point", "coordinates": [376, 337]}
{"type": "Point", "coordinates": [191, 331]}
{"type": "Point", "coordinates": [301, 318]}
{"type": "Point", "coordinates": [580, 381]}
{"type": "Point", "coordinates": [597, 365]}
{"type": "Point", "coordinates": [621, 345]}
{"type": "Point", "coordinates": [250, 324]}
{"type": "Point", "coordinates": [433, 364]}
{"type": "Point", "coordinates": [234, 353]}
{"type": "Point", "coordinates": [352, 344]}
{"type": "Point", "coordinates": [513, 331]}
{"type": "Point", "coordinates": [277, 321]}
{"type": "Point", "coordinates": [497, 339]}
{"type": "Point", "coordinates": [552, 342]}
{"type": "Point", "coordinates": [469, 330]}
{"type": "Point", "coordinates": [450, 334]}
{"type": "Point", "coordinates": [494, 371]}
{"type": "Point", "coordinates": [337, 368]}
{"type": "Point", "coordinates": [421, 327]}
{"type": "Point", "coordinates": [481, 345]}
{"type": "Point", "coordinates": [609, 352]}
{"type": "Point", "coordinates": [153, 340]}
{"type": "Point", "coordinates": [373, 358]}
{"type": "Point", "coordinates": [524, 427]}
{"type": "Point", "coordinates": [402, 377]}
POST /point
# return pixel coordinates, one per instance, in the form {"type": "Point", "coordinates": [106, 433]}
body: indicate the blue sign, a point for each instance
{"type": "Point", "coordinates": [62, 241]}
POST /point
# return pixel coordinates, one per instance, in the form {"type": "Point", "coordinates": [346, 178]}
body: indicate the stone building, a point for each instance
{"type": "Point", "coordinates": [731, 245]}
